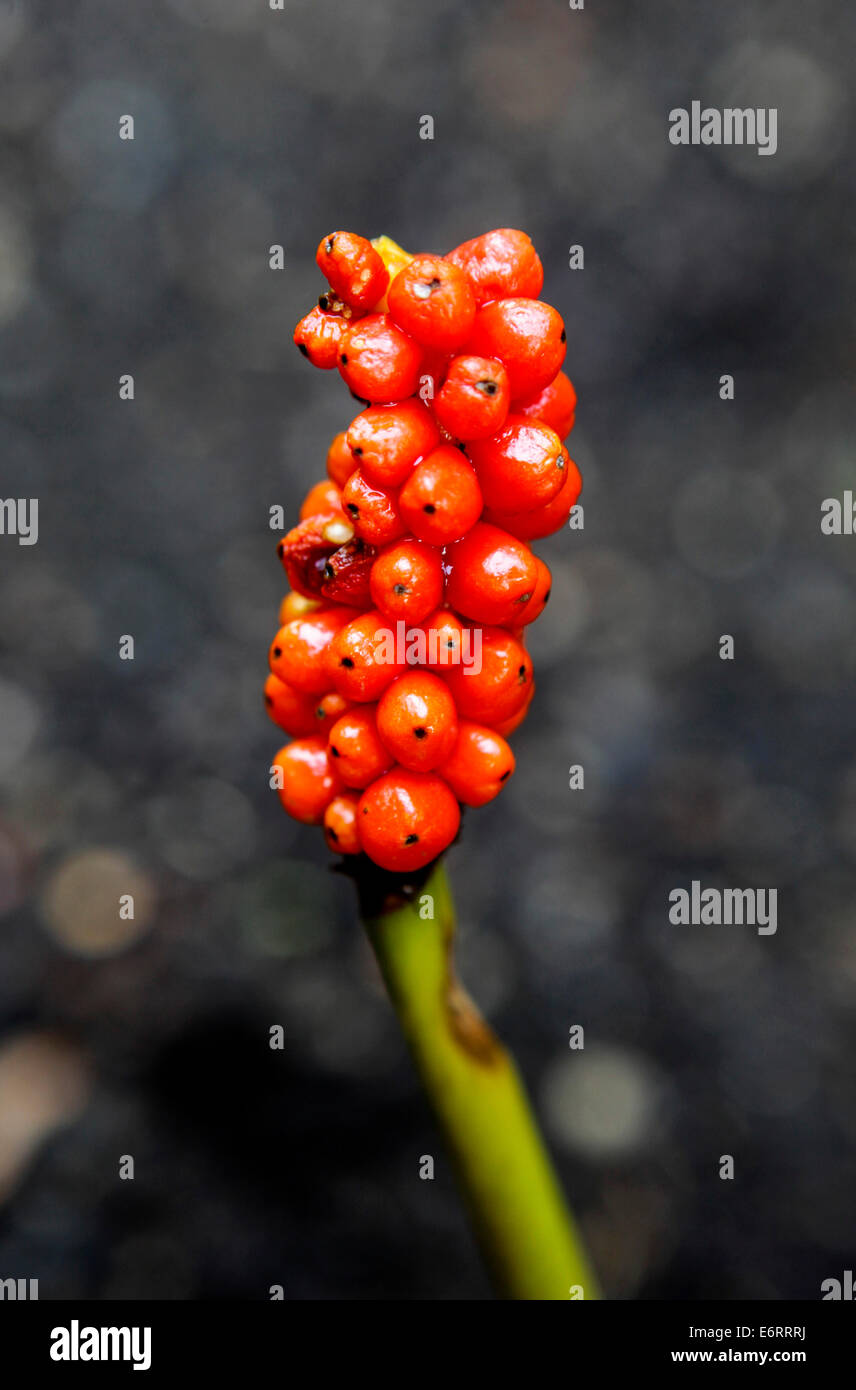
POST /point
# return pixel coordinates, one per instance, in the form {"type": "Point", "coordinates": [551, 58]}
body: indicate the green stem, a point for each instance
{"type": "Point", "coordinates": [526, 1233]}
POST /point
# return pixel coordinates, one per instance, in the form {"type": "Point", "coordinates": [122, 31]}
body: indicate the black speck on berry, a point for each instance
{"type": "Point", "coordinates": [564, 337]}
{"type": "Point", "coordinates": [429, 508]}
{"type": "Point", "coordinates": [348, 662]}
{"type": "Point", "coordinates": [420, 732]}
{"type": "Point", "coordinates": [488, 388]}
{"type": "Point", "coordinates": [304, 349]}
{"type": "Point", "coordinates": [411, 839]}
{"type": "Point", "coordinates": [328, 245]}
{"type": "Point", "coordinates": [277, 651]}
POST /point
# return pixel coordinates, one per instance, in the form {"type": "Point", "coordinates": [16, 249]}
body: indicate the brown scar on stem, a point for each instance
{"type": "Point", "coordinates": [467, 1026]}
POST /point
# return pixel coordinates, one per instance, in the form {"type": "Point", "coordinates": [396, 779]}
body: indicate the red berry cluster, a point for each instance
{"type": "Point", "coordinates": [400, 668]}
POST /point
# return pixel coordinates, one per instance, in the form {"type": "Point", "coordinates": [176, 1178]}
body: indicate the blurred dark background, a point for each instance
{"type": "Point", "coordinates": [150, 1038]}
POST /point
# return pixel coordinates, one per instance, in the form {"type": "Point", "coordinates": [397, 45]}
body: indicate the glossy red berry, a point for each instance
{"type": "Point", "coordinates": [372, 511]}
{"type": "Point", "coordinates": [356, 749]}
{"type": "Point", "coordinates": [496, 689]}
{"type": "Point", "coordinates": [441, 499]}
{"type": "Point", "coordinates": [297, 653]}
{"type": "Point", "coordinates": [406, 819]}
{"type": "Point", "coordinates": [474, 398]}
{"type": "Point", "coordinates": [527, 335]}
{"type": "Point", "coordinates": [432, 300]}
{"type": "Point", "coordinates": [340, 461]}
{"type": "Point", "coordinates": [323, 498]}
{"type": "Point", "coordinates": [407, 580]}
{"type": "Point", "coordinates": [490, 575]}
{"type": "Point", "coordinates": [318, 335]}
{"type": "Point", "coordinates": [340, 824]}
{"type": "Point", "coordinates": [555, 406]}
{"type": "Point", "coordinates": [506, 727]}
{"type": "Point", "coordinates": [309, 783]}
{"type": "Point", "coordinates": [479, 765]}
{"type": "Point", "coordinates": [542, 521]}
{"type": "Point", "coordinates": [363, 657]}
{"type": "Point", "coordinates": [353, 269]}
{"type": "Point", "coordinates": [520, 467]}
{"type": "Point", "coordinates": [378, 361]}
{"type": "Point", "coordinates": [417, 720]}
{"type": "Point", "coordinates": [540, 594]}
{"type": "Point", "coordinates": [500, 264]}
{"type": "Point", "coordinates": [293, 710]}
{"type": "Point", "coordinates": [438, 641]}
{"type": "Point", "coordinates": [387, 440]}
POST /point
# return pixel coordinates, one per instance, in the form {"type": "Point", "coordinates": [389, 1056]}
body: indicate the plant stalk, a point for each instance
{"type": "Point", "coordinates": [523, 1226]}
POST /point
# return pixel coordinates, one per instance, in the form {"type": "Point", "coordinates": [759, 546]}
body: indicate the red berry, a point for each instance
{"type": "Point", "coordinates": [362, 659]}
{"type": "Point", "coordinates": [340, 461]}
{"type": "Point", "coordinates": [378, 362]}
{"type": "Point", "coordinates": [473, 400]}
{"type": "Point", "coordinates": [293, 710]}
{"type": "Point", "coordinates": [506, 727]}
{"type": "Point", "coordinates": [480, 764]}
{"type": "Point", "coordinates": [555, 406]}
{"type": "Point", "coordinates": [356, 749]}
{"type": "Point", "coordinates": [353, 268]}
{"type": "Point", "coordinates": [540, 594]}
{"type": "Point", "coordinates": [490, 575]}
{"type": "Point", "coordinates": [542, 521]}
{"type": "Point", "coordinates": [407, 580]}
{"type": "Point", "coordinates": [499, 264]}
{"type": "Point", "coordinates": [520, 467]}
{"type": "Point", "coordinates": [417, 720]}
{"type": "Point", "coordinates": [386, 440]}
{"type": "Point", "coordinates": [526, 334]}
{"type": "Point", "coordinates": [304, 551]}
{"type": "Point", "coordinates": [441, 640]}
{"type": "Point", "coordinates": [297, 652]}
{"type": "Point", "coordinates": [309, 783]}
{"type": "Point", "coordinates": [496, 690]}
{"type": "Point", "coordinates": [406, 819]}
{"type": "Point", "coordinates": [441, 499]}
{"type": "Point", "coordinates": [328, 709]}
{"type": "Point", "coordinates": [372, 511]}
{"type": "Point", "coordinates": [432, 300]}
{"type": "Point", "coordinates": [318, 335]}
{"type": "Point", "coordinates": [323, 498]}
{"type": "Point", "coordinates": [347, 572]}
{"type": "Point", "coordinates": [340, 824]}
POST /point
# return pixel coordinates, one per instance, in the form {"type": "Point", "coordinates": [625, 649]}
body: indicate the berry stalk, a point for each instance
{"type": "Point", "coordinates": [523, 1226]}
